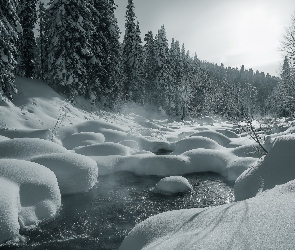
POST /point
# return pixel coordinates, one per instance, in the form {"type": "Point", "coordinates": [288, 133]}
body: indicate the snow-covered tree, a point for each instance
{"type": "Point", "coordinates": [10, 29]}
{"type": "Point", "coordinates": [132, 56]}
{"type": "Point", "coordinates": [67, 41]}
{"type": "Point", "coordinates": [28, 16]}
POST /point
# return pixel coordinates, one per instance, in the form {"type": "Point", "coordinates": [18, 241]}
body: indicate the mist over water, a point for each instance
{"type": "Point", "coordinates": [101, 218]}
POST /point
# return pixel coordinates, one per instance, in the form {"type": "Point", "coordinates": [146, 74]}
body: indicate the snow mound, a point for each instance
{"type": "Point", "coordinates": [112, 135]}
{"type": "Point", "coordinates": [82, 139]}
{"type": "Point", "coordinates": [38, 190]}
{"type": "Point", "coordinates": [9, 207]}
{"type": "Point", "coordinates": [249, 150]}
{"type": "Point", "coordinates": [25, 148]}
{"type": "Point", "coordinates": [274, 169]}
{"type": "Point", "coordinates": [227, 133]}
{"type": "Point", "coordinates": [129, 143]}
{"type": "Point", "coordinates": [263, 222]}
{"type": "Point", "coordinates": [89, 126]}
{"type": "Point", "coordinates": [209, 160]}
{"type": "Point", "coordinates": [104, 149]}
{"type": "Point", "coordinates": [75, 173]}
{"type": "Point", "coordinates": [215, 136]}
{"type": "Point", "coordinates": [195, 142]}
{"type": "Point", "coordinates": [153, 144]}
{"type": "Point", "coordinates": [236, 167]}
{"type": "Point", "coordinates": [3, 138]}
{"type": "Point", "coordinates": [206, 120]}
{"type": "Point", "coordinates": [45, 134]}
{"type": "Point", "coordinates": [173, 184]}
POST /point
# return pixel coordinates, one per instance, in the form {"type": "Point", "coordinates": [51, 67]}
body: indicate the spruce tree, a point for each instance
{"type": "Point", "coordinates": [132, 55]}
{"type": "Point", "coordinates": [28, 16]}
{"type": "Point", "coordinates": [10, 29]}
{"type": "Point", "coordinates": [67, 41]}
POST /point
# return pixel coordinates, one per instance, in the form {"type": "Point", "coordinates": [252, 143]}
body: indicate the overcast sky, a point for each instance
{"type": "Point", "coordinates": [233, 32]}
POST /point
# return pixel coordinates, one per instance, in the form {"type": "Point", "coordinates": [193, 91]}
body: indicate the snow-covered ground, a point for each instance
{"type": "Point", "coordinates": [49, 147]}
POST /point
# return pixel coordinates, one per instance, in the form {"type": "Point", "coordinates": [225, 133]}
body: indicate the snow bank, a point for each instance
{"type": "Point", "coordinates": [82, 139]}
{"type": "Point", "coordinates": [263, 222]}
{"type": "Point", "coordinates": [193, 161]}
{"type": "Point", "coordinates": [173, 184]}
{"type": "Point", "coordinates": [195, 142]}
{"type": "Point", "coordinates": [75, 173]}
{"type": "Point", "coordinates": [153, 144]}
{"type": "Point", "coordinates": [274, 169]}
{"type": "Point", "coordinates": [25, 148]}
{"type": "Point", "coordinates": [227, 133]}
{"type": "Point", "coordinates": [215, 136]}
{"type": "Point", "coordinates": [39, 193]}
{"type": "Point", "coordinates": [9, 207]}
{"type": "Point", "coordinates": [249, 150]}
{"type": "Point", "coordinates": [90, 126]}
{"type": "Point", "coordinates": [104, 149]}
{"type": "Point", "coordinates": [3, 138]}
{"type": "Point", "coordinates": [45, 134]}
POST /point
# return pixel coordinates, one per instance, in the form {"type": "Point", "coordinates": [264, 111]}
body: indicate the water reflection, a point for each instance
{"type": "Point", "coordinates": [102, 217]}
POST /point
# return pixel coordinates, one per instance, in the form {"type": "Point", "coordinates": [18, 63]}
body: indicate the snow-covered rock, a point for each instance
{"type": "Point", "coordinates": [228, 133]}
{"type": "Point", "coordinates": [3, 138]}
{"type": "Point", "coordinates": [215, 136]}
{"type": "Point", "coordinates": [104, 149]}
{"type": "Point", "coordinates": [82, 139]}
{"type": "Point", "coordinates": [45, 134]}
{"type": "Point", "coordinates": [39, 194]}
{"type": "Point", "coordinates": [129, 143]}
{"type": "Point", "coordinates": [74, 172]}
{"type": "Point", "coordinates": [25, 148]}
{"type": "Point", "coordinates": [263, 222]}
{"type": "Point", "coordinates": [172, 185]}
{"type": "Point", "coordinates": [193, 143]}
{"type": "Point", "coordinates": [274, 169]}
{"type": "Point", "coordinates": [9, 208]}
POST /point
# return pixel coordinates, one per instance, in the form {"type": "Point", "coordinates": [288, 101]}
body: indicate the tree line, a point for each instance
{"type": "Point", "coordinates": [78, 53]}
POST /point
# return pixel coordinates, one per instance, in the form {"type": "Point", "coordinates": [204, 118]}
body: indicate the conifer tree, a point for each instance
{"type": "Point", "coordinates": [68, 49]}
{"type": "Point", "coordinates": [10, 29]}
{"type": "Point", "coordinates": [28, 16]}
{"type": "Point", "coordinates": [132, 55]}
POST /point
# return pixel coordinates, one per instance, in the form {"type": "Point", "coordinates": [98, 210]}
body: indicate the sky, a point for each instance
{"type": "Point", "coordinates": [232, 32]}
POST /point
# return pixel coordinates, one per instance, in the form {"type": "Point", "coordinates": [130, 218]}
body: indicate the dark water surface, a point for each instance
{"type": "Point", "coordinates": [102, 217]}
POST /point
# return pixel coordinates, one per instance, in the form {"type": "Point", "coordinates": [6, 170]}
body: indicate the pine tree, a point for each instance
{"type": "Point", "coordinates": [132, 55]}
{"type": "Point", "coordinates": [28, 16]}
{"type": "Point", "coordinates": [10, 29]}
{"type": "Point", "coordinates": [67, 41]}
{"type": "Point", "coordinates": [105, 64]}
{"type": "Point", "coordinates": [150, 66]}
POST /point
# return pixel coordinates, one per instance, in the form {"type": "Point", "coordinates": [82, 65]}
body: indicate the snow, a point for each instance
{"type": "Point", "coordinates": [104, 149]}
{"type": "Point", "coordinates": [172, 185]}
{"type": "Point", "coordinates": [75, 173]}
{"type": "Point", "coordinates": [25, 148]}
{"type": "Point", "coordinates": [82, 139]}
{"type": "Point", "coordinates": [50, 147]}
{"type": "Point", "coordinates": [33, 194]}
{"type": "Point", "coordinates": [9, 207]}
{"type": "Point", "coordinates": [215, 136]}
{"type": "Point", "coordinates": [274, 169]}
{"type": "Point", "coordinates": [263, 222]}
{"type": "Point", "coordinates": [187, 144]}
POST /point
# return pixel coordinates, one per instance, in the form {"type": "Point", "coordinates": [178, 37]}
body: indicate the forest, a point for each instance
{"type": "Point", "coordinates": [78, 52]}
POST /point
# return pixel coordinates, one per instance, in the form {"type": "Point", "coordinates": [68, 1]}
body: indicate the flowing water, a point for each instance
{"type": "Point", "coordinates": [102, 217]}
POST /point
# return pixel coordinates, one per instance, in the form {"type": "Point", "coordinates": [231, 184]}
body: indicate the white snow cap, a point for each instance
{"type": "Point", "coordinates": [172, 185]}
{"type": "Point", "coordinates": [32, 195]}
{"type": "Point", "coordinates": [75, 173]}
{"type": "Point", "coordinates": [274, 169]}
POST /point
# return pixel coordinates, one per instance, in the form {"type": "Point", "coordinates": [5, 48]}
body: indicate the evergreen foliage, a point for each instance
{"type": "Point", "coordinates": [10, 29]}
{"type": "Point", "coordinates": [27, 14]}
